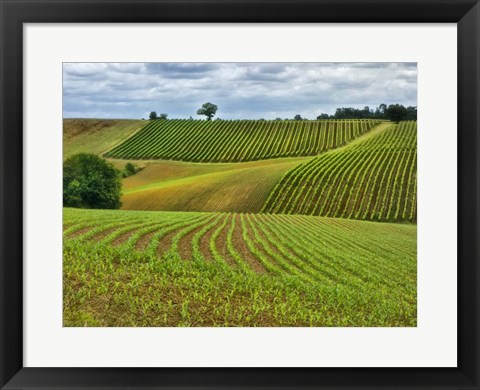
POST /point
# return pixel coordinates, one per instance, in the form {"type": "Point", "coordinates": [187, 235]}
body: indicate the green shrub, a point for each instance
{"type": "Point", "coordinates": [90, 182]}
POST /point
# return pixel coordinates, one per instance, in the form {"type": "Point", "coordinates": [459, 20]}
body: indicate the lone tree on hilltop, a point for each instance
{"type": "Point", "coordinates": [298, 117]}
{"type": "Point", "coordinates": [153, 116]}
{"type": "Point", "coordinates": [90, 182]}
{"type": "Point", "coordinates": [208, 109]}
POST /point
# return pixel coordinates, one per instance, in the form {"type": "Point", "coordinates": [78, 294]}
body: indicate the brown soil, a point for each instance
{"type": "Point", "coordinates": [73, 127]}
{"type": "Point", "coordinates": [185, 249]}
{"type": "Point", "coordinates": [144, 241]}
{"type": "Point", "coordinates": [240, 245]}
{"type": "Point", "coordinates": [122, 238]}
{"type": "Point", "coordinates": [165, 243]}
{"type": "Point", "coordinates": [80, 232]}
{"type": "Point", "coordinates": [221, 244]}
{"type": "Point", "coordinates": [100, 236]}
{"type": "Point", "coordinates": [205, 244]}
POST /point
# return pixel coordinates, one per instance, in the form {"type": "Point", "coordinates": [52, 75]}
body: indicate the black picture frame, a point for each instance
{"type": "Point", "coordinates": [14, 13]}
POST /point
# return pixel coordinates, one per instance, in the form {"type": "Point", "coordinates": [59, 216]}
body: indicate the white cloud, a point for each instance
{"type": "Point", "coordinates": [241, 90]}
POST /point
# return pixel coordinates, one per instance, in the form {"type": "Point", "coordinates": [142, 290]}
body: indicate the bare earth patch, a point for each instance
{"type": "Point", "coordinates": [242, 248]}
{"type": "Point", "coordinates": [185, 244]}
{"type": "Point", "coordinates": [144, 241]}
{"type": "Point", "coordinates": [165, 243]}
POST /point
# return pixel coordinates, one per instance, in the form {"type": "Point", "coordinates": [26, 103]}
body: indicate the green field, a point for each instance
{"type": "Point", "coordinates": [237, 140]}
{"type": "Point", "coordinates": [96, 135]}
{"type": "Point", "coordinates": [173, 185]}
{"type": "Point", "coordinates": [131, 268]}
{"type": "Point", "coordinates": [373, 179]}
{"type": "Point", "coordinates": [246, 223]}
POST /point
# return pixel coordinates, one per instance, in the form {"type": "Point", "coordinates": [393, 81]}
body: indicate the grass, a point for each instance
{"type": "Point", "coordinates": [172, 185]}
{"type": "Point", "coordinates": [134, 268]}
{"type": "Point", "coordinates": [96, 135]}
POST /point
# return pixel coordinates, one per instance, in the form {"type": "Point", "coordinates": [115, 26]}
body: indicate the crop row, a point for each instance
{"type": "Point", "coordinates": [310, 249]}
{"type": "Point", "coordinates": [374, 179]}
{"type": "Point", "coordinates": [237, 140]}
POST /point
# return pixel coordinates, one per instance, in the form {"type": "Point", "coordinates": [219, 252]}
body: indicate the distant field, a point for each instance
{"type": "Point", "coordinates": [374, 178]}
{"type": "Point", "coordinates": [95, 135]}
{"type": "Point", "coordinates": [133, 268]}
{"type": "Point", "coordinates": [173, 185]}
{"type": "Point", "coordinates": [237, 140]}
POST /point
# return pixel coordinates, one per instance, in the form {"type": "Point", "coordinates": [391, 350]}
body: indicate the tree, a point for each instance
{"type": "Point", "coordinates": [366, 112]}
{"type": "Point", "coordinates": [396, 112]}
{"type": "Point", "coordinates": [153, 116]}
{"type": "Point", "coordinates": [208, 109]}
{"type": "Point", "coordinates": [163, 116]}
{"type": "Point", "coordinates": [90, 182]}
{"type": "Point", "coordinates": [323, 116]}
{"type": "Point", "coordinates": [130, 168]}
{"type": "Point", "coordinates": [298, 117]}
{"type": "Point", "coordinates": [411, 113]}
{"type": "Point", "coordinates": [382, 108]}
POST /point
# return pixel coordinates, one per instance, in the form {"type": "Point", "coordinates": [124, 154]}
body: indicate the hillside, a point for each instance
{"type": "Point", "coordinates": [173, 185]}
{"type": "Point", "coordinates": [95, 135]}
{"type": "Point", "coordinates": [374, 178]}
{"type": "Point", "coordinates": [226, 269]}
{"type": "Point", "coordinates": [237, 140]}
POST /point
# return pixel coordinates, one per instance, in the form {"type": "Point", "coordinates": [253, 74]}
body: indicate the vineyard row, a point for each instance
{"type": "Point", "coordinates": [237, 140]}
{"type": "Point", "coordinates": [375, 179]}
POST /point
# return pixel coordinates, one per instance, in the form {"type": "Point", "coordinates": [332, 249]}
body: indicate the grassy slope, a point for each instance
{"type": "Point", "coordinates": [96, 135]}
{"type": "Point", "coordinates": [132, 268]}
{"type": "Point", "coordinates": [170, 185]}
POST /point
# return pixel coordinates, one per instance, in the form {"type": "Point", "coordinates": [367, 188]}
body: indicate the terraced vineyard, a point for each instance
{"type": "Point", "coordinates": [133, 268]}
{"type": "Point", "coordinates": [372, 179]}
{"type": "Point", "coordinates": [237, 140]}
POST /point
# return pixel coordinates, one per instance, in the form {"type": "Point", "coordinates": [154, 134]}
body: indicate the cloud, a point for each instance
{"type": "Point", "coordinates": [241, 90]}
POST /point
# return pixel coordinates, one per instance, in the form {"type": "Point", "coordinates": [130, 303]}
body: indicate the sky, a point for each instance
{"type": "Point", "coordinates": [240, 90]}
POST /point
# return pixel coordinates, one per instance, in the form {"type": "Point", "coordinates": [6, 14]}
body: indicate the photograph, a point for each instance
{"type": "Point", "coordinates": [239, 194]}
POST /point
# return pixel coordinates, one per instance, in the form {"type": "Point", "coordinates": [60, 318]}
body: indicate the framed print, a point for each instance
{"type": "Point", "coordinates": [240, 195]}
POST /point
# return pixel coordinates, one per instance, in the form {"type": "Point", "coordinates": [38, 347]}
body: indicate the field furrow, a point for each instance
{"type": "Point", "coordinates": [366, 269]}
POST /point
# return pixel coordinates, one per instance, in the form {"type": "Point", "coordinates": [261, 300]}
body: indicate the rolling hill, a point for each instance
{"type": "Point", "coordinates": [173, 185]}
{"type": "Point", "coordinates": [96, 135]}
{"type": "Point", "coordinates": [373, 178]}
{"type": "Point", "coordinates": [134, 268]}
{"type": "Point", "coordinates": [248, 237]}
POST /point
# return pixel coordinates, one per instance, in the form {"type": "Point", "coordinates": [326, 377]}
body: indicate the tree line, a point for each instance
{"type": "Point", "coordinates": [393, 112]}
{"type": "Point", "coordinates": [208, 109]}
